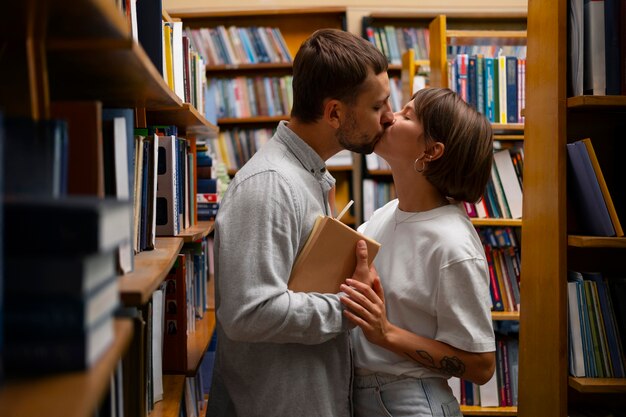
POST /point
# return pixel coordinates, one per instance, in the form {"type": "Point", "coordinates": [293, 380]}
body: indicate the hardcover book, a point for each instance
{"type": "Point", "coordinates": [72, 225]}
{"type": "Point", "coordinates": [603, 187]}
{"type": "Point", "coordinates": [328, 257]}
{"type": "Point", "coordinates": [591, 209]}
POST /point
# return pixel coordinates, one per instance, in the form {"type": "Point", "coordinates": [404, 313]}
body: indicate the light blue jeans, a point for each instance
{"type": "Point", "coordinates": [383, 395]}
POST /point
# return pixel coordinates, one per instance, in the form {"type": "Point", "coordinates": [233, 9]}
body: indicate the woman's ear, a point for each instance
{"type": "Point", "coordinates": [435, 151]}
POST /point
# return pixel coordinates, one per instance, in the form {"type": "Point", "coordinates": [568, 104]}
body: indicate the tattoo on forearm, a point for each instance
{"type": "Point", "coordinates": [449, 365]}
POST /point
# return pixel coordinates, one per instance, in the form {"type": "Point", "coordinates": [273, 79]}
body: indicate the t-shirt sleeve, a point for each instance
{"type": "Point", "coordinates": [464, 306]}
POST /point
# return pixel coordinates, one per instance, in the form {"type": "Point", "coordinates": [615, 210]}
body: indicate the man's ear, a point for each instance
{"type": "Point", "coordinates": [436, 151]}
{"type": "Point", "coordinates": [333, 112]}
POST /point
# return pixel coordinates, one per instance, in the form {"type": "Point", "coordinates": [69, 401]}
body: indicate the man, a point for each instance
{"type": "Point", "coordinates": [281, 353]}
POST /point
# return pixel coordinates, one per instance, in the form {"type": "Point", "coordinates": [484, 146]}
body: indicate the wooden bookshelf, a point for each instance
{"type": "Point", "coordinates": [173, 387]}
{"type": "Point", "coordinates": [251, 120]}
{"type": "Point", "coordinates": [198, 341]}
{"type": "Point", "coordinates": [505, 315]}
{"type": "Point", "coordinates": [496, 222]}
{"type": "Point", "coordinates": [598, 385]}
{"type": "Point", "coordinates": [470, 410]}
{"type": "Point", "coordinates": [596, 241]}
{"type": "Point", "coordinates": [151, 267]}
{"type": "Point", "coordinates": [198, 231]}
{"type": "Point", "coordinates": [596, 101]}
{"type": "Point", "coordinates": [185, 117]}
{"type": "Point", "coordinates": [71, 394]}
{"type": "Point", "coordinates": [236, 68]}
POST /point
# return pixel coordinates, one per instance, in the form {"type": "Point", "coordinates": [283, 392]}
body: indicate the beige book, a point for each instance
{"type": "Point", "coordinates": [328, 257]}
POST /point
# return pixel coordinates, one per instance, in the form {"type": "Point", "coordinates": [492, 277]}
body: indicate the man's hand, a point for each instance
{"type": "Point", "coordinates": [363, 273]}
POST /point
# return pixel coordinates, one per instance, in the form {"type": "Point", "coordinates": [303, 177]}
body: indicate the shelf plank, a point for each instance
{"type": "Point", "coordinates": [598, 385]}
{"type": "Point", "coordinates": [202, 12]}
{"type": "Point", "coordinates": [596, 101]}
{"type": "Point", "coordinates": [197, 232]}
{"type": "Point", "coordinates": [151, 267]}
{"type": "Point", "coordinates": [497, 136]}
{"type": "Point", "coordinates": [507, 127]}
{"type": "Point", "coordinates": [486, 37]}
{"type": "Point", "coordinates": [251, 120]}
{"type": "Point", "coordinates": [119, 74]}
{"type": "Point", "coordinates": [173, 386]}
{"type": "Point", "coordinates": [596, 241]}
{"type": "Point", "coordinates": [245, 67]}
{"type": "Point", "coordinates": [68, 19]}
{"type": "Point", "coordinates": [473, 410]}
{"type": "Point", "coordinates": [198, 341]}
{"type": "Point", "coordinates": [496, 222]}
{"type": "Point", "coordinates": [505, 315]}
{"type": "Point", "coordinates": [73, 394]}
{"type": "Point", "coordinates": [186, 117]}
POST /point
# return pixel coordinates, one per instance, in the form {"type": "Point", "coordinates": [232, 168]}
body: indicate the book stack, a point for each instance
{"type": "Point", "coordinates": [491, 79]}
{"type": "Point", "coordinates": [62, 290]}
{"type": "Point", "coordinates": [207, 196]}
{"type": "Point", "coordinates": [502, 389]}
{"type": "Point", "coordinates": [503, 194]}
{"type": "Point", "coordinates": [596, 325]}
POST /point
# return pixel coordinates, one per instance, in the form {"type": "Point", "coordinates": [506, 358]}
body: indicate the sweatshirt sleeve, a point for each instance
{"type": "Point", "coordinates": [259, 229]}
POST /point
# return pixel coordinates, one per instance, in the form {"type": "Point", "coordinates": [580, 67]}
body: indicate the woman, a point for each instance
{"type": "Point", "coordinates": [432, 320]}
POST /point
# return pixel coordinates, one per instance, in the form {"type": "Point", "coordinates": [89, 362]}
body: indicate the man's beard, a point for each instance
{"type": "Point", "coordinates": [347, 133]}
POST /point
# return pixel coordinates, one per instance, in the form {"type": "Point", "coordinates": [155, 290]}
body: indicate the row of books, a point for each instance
{"type": "Point", "coordinates": [503, 258]}
{"type": "Point", "coordinates": [596, 41]}
{"type": "Point", "coordinates": [502, 389]}
{"type": "Point", "coordinates": [170, 49]}
{"type": "Point", "coordinates": [395, 41]}
{"type": "Point", "coordinates": [241, 45]}
{"type": "Point", "coordinates": [589, 194]}
{"type": "Point", "coordinates": [375, 195]}
{"type": "Point", "coordinates": [165, 170]}
{"type": "Point", "coordinates": [503, 195]}
{"type": "Point", "coordinates": [253, 96]}
{"type": "Point", "coordinates": [495, 86]}
{"type": "Point", "coordinates": [60, 299]}
{"type": "Point", "coordinates": [596, 324]}
{"type": "Point", "coordinates": [236, 146]}
{"type": "Point", "coordinates": [185, 302]}
{"type": "Point", "coordinates": [183, 66]}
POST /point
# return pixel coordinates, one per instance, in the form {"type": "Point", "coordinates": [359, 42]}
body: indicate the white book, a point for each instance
{"type": "Point", "coordinates": [489, 392]}
{"type": "Point", "coordinates": [510, 184]}
{"type": "Point", "coordinates": [158, 316]}
{"type": "Point", "coordinates": [178, 59]}
{"type": "Point", "coordinates": [576, 353]}
{"type": "Point", "coordinates": [595, 64]}
{"type": "Point", "coordinates": [577, 42]}
{"type": "Point", "coordinates": [166, 198]}
{"type": "Point", "coordinates": [455, 386]}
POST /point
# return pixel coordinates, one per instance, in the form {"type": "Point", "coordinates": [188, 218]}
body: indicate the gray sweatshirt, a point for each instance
{"type": "Point", "coordinates": [279, 353]}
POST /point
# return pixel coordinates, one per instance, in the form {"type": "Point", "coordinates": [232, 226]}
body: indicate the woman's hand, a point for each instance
{"type": "Point", "coordinates": [365, 307]}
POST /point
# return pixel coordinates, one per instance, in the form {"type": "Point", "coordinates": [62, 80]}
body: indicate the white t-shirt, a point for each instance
{"type": "Point", "coordinates": [436, 281]}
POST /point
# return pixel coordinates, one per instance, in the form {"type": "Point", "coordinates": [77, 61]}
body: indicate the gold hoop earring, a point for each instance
{"type": "Point", "coordinates": [419, 171]}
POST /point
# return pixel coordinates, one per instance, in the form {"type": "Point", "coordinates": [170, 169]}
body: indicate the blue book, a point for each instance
{"type": "Point", "coordinates": [511, 90]}
{"type": "Point", "coordinates": [480, 84]}
{"type": "Point", "coordinates": [150, 30]}
{"type": "Point", "coordinates": [491, 90]}
{"type": "Point", "coordinates": [44, 144]}
{"type": "Point", "coordinates": [472, 82]}
{"type": "Point", "coordinates": [585, 193]}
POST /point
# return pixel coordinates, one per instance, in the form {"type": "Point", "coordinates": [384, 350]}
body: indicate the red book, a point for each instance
{"type": "Point", "coordinates": [175, 325]}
